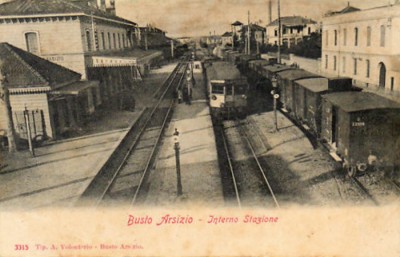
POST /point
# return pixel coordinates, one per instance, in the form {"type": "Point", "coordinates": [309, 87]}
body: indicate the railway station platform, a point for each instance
{"type": "Point", "coordinates": [300, 173]}
{"type": "Point", "coordinates": [63, 169]}
{"type": "Point", "coordinates": [201, 180]}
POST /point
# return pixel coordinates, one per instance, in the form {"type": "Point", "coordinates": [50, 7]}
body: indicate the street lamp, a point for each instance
{"type": "Point", "coordinates": [178, 165]}
{"type": "Point", "coordinates": [275, 97]}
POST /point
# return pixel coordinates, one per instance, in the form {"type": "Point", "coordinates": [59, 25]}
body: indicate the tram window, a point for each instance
{"type": "Point", "coordinates": [217, 89]}
{"type": "Point", "coordinates": [229, 90]}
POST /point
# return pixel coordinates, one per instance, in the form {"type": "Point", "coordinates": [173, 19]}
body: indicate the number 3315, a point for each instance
{"type": "Point", "coordinates": [21, 247]}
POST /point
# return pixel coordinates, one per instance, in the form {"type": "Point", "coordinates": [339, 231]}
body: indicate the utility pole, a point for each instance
{"type": "Point", "coordinates": [28, 131]}
{"type": "Point", "coordinates": [178, 164]}
{"type": "Point", "coordinates": [172, 48]}
{"type": "Point", "coordinates": [5, 96]}
{"type": "Point", "coordinates": [248, 32]}
{"type": "Point", "coordinates": [279, 32]}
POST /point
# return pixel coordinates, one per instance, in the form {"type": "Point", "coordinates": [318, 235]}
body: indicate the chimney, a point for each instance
{"type": "Point", "coordinates": [101, 4]}
{"type": "Point", "coordinates": [111, 8]}
{"type": "Point", "coordinates": [269, 11]}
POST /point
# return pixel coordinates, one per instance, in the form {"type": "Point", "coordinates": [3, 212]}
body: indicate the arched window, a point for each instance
{"type": "Point", "coordinates": [367, 63]}
{"type": "Point", "coordinates": [383, 32]}
{"type": "Point", "coordinates": [32, 42]}
{"type": "Point", "coordinates": [334, 62]}
{"type": "Point", "coordinates": [344, 36]}
{"type": "Point", "coordinates": [109, 40]}
{"type": "Point", "coordinates": [368, 36]}
{"type": "Point", "coordinates": [88, 41]}
{"type": "Point", "coordinates": [382, 75]}
{"type": "Point", "coordinates": [335, 37]}
{"type": "Point", "coordinates": [356, 36]}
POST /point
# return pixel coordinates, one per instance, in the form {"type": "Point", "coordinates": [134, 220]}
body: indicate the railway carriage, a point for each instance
{"type": "Point", "coordinates": [357, 125]}
{"type": "Point", "coordinates": [307, 98]}
{"type": "Point", "coordinates": [227, 90]}
{"type": "Point", "coordinates": [286, 81]}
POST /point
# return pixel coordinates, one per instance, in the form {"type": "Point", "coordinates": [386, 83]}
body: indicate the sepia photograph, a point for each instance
{"type": "Point", "coordinates": [200, 128]}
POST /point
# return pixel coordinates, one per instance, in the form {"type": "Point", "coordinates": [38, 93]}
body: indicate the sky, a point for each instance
{"type": "Point", "coordinates": [200, 17]}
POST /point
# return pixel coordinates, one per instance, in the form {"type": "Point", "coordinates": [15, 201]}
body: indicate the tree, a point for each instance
{"type": "Point", "coordinates": [5, 96]}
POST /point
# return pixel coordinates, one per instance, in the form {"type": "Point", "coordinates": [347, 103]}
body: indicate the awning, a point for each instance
{"type": "Point", "coordinates": [127, 57]}
{"type": "Point", "coordinates": [75, 88]}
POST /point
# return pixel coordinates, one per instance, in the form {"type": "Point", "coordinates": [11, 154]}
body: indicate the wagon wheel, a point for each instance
{"type": "Point", "coordinates": [352, 170]}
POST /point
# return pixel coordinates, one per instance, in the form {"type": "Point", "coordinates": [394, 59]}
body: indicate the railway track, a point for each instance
{"type": "Point", "coordinates": [363, 190]}
{"type": "Point", "coordinates": [122, 180]}
{"type": "Point", "coordinates": [248, 176]}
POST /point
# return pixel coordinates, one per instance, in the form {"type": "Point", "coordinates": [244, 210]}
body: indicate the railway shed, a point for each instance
{"type": "Point", "coordinates": [286, 81]}
{"type": "Point", "coordinates": [307, 98]}
{"type": "Point", "coordinates": [356, 124]}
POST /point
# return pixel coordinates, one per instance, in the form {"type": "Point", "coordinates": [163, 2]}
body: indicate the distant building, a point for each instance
{"type": "Point", "coordinates": [227, 38]}
{"type": "Point", "coordinates": [151, 37]}
{"type": "Point", "coordinates": [293, 30]}
{"type": "Point", "coordinates": [55, 98]}
{"type": "Point", "coordinates": [364, 45]}
{"type": "Point", "coordinates": [257, 33]}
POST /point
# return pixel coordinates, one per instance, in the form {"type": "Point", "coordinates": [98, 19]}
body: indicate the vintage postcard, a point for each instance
{"type": "Point", "coordinates": [199, 128]}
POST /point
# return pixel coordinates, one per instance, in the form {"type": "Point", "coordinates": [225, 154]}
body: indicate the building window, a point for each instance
{"type": "Point", "coordinates": [309, 30]}
{"type": "Point", "coordinates": [391, 84]}
{"type": "Point", "coordinates": [326, 61]}
{"type": "Point", "coordinates": [276, 33]}
{"type": "Point", "coordinates": [344, 36]}
{"type": "Point", "coordinates": [344, 64]}
{"type": "Point", "coordinates": [96, 40]}
{"type": "Point", "coordinates": [355, 67]}
{"type": "Point", "coordinates": [291, 30]}
{"type": "Point", "coordinates": [383, 32]}
{"type": "Point", "coordinates": [114, 41]}
{"type": "Point", "coordinates": [123, 41]}
{"type": "Point", "coordinates": [88, 41]}
{"type": "Point", "coordinates": [103, 41]}
{"type": "Point", "coordinates": [326, 38]}
{"type": "Point", "coordinates": [368, 36]}
{"type": "Point", "coordinates": [334, 62]}
{"type": "Point", "coordinates": [368, 67]}
{"type": "Point", "coordinates": [109, 40]}
{"type": "Point", "coordinates": [356, 36]}
{"type": "Point", "coordinates": [335, 37]}
{"type": "Point", "coordinates": [32, 42]}
{"type": "Point", "coordinates": [119, 41]}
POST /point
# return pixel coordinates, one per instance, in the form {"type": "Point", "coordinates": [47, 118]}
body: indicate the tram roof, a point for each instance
{"type": "Point", "coordinates": [223, 71]}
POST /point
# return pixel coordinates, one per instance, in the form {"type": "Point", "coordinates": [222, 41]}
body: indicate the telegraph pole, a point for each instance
{"type": "Point", "coordinates": [5, 96]}
{"type": "Point", "coordinates": [248, 32]}
{"type": "Point", "coordinates": [279, 31]}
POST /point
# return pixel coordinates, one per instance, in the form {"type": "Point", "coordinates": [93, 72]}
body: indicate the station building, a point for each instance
{"type": "Point", "coordinates": [364, 45]}
{"type": "Point", "coordinates": [52, 97]}
{"type": "Point", "coordinates": [85, 36]}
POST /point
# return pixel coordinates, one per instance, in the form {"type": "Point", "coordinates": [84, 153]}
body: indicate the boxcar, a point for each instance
{"type": "Point", "coordinates": [227, 89]}
{"type": "Point", "coordinates": [286, 81]}
{"type": "Point", "coordinates": [270, 71]}
{"type": "Point", "coordinates": [356, 124]}
{"type": "Point", "coordinates": [307, 98]}
{"type": "Point", "coordinates": [256, 65]}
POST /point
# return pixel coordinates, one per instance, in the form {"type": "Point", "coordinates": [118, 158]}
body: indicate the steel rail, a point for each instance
{"type": "Point", "coordinates": [231, 170]}
{"type": "Point", "coordinates": [363, 189]}
{"type": "Point", "coordinates": [151, 156]}
{"type": "Point", "coordinates": [258, 163]}
{"type": "Point", "coordinates": [137, 138]}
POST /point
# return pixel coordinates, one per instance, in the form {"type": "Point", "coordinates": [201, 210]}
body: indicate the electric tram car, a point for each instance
{"type": "Point", "coordinates": [227, 90]}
